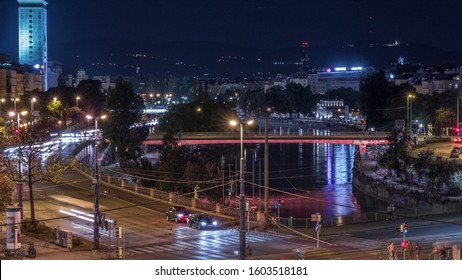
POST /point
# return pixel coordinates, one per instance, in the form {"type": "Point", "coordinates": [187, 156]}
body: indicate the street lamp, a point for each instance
{"type": "Point", "coordinates": [409, 115]}
{"type": "Point", "coordinates": [242, 194]}
{"type": "Point", "coordinates": [19, 183]}
{"type": "Point", "coordinates": [1, 101]}
{"type": "Point", "coordinates": [152, 98]}
{"type": "Point", "coordinates": [14, 100]}
{"type": "Point", "coordinates": [32, 101]}
{"type": "Point", "coordinates": [96, 187]}
{"type": "Point", "coordinates": [77, 101]}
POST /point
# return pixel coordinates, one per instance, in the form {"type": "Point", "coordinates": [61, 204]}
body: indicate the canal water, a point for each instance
{"type": "Point", "coordinates": [310, 178]}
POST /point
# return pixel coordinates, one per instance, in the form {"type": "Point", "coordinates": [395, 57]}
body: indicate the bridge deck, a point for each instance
{"type": "Point", "coordinates": [210, 138]}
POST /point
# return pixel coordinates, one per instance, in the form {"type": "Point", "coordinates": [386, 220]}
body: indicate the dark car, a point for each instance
{"type": "Point", "coordinates": [455, 152]}
{"type": "Point", "coordinates": [177, 214]}
{"type": "Point", "coordinates": [202, 221]}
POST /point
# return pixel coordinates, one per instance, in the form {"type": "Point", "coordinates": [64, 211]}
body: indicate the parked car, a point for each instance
{"type": "Point", "coordinates": [458, 140]}
{"type": "Point", "coordinates": [177, 214]}
{"type": "Point", "coordinates": [202, 221]}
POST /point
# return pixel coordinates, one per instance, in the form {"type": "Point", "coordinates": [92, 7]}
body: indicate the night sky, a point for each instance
{"type": "Point", "coordinates": [267, 24]}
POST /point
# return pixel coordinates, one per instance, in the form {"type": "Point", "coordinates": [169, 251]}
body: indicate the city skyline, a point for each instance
{"type": "Point", "coordinates": [260, 24]}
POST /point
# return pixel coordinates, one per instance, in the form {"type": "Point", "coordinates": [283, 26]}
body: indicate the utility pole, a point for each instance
{"type": "Point", "coordinates": [266, 171]}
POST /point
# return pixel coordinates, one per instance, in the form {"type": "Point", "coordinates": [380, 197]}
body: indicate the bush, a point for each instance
{"type": "Point", "coordinates": [434, 139]}
{"type": "Point", "coordinates": [36, 229]}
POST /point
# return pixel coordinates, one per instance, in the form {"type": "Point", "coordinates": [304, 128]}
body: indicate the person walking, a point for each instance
{"type": "Point", "coordinates": [391, 251]}
{"type": "Point", "coordinates": [389, 212]}
{"type": "Point", "coordinates": [393, 213]}
{"type": "Point", "coordinates": [417, 249]}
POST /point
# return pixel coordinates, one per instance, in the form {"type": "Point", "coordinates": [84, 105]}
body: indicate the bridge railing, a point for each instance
{"type": "Point", "coordinates": [299, 132]}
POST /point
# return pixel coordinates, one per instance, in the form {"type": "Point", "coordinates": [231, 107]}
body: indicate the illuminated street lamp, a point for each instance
{"type": "Point", "coordinates": [32, 101]}
{"type": "Point", "coordinates": [19, 183]}
{"type": "Point", "coordinates": [96, 187]}
{"type": "Point", "coordinates": [15, 100]}
{"type": "Point", "coordinates": [409, 113]}
{"type": "Point", "coordinates": [1, 101]}
{"type": "Point", "coordinates": [77, 101]}
{"type": "Point", "coordinates": [242, 194]}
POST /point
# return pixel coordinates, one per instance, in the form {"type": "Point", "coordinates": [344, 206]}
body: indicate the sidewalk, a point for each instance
{"type": "Point", "coordinates": [50, 251]}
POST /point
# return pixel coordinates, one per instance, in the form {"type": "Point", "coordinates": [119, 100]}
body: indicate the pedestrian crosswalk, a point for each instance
{"type": "Point", "coordinates": [354, 242]}
{"type": "Point", "coordinates": [206, 246]}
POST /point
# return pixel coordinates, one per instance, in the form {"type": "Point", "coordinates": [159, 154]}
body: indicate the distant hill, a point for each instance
{"type": "Point", "coordinates": [205, 59]}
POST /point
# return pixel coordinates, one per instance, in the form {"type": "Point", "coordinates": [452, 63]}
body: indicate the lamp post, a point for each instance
{"type": "Point", "coordinates": [77, 101]}
{"type": "Point", "coordinates": [32, 101]}
{"type": "Point", "coordinates": [14, 100]}
{"type": "Point", "coordinates": [458, 113]}
{"type": "Point", "coordinates": [409, 114]}
{"type": "Point", "coordinates": [96, 187]}
{"type": "Point", "coordinates": [19, 183]}
{"type": "Point", "coordinates": [242, 194]}
{"type": "Point", "coordinates": [1, 101]}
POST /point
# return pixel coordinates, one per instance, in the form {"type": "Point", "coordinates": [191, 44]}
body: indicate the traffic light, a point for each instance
{"type": "Point", "coordinates": [119, 252]}
{"type": "Point", "coordinates": [101, 219]}
{"type": "Point", "coordinates": [106, 224]}
{"type": "Point", "coordinates": [281, 202]}
{"type": "Point", "coordinates": [404, 245]}
{"type": "Point", "coordinates": [405, 228]}
{"type": "Point", "coordinates": [118, 232]}
{"type": "Point", "coordinates": [16, 131]}
{"type": "Point", "coordinates": [249, 251]}
{"type": "Point", "coordinates": [115, 224]}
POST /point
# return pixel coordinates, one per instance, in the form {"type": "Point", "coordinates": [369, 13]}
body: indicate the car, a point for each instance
{"type": "Point", "coordinates": [458, 140]}
{"type": "Point", "coordinates": [202, 221]}
{"type": "Point", "coordinates": [455, 152]}
{"type": "Point", "coordinates": [178, 214]}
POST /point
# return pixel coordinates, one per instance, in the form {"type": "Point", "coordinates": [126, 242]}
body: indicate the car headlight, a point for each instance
{"type": "Point", "coordinates": [180, 215]}
{"type": "Point", "coordinates": [215, 223]}
{"type": "Point", "coordinates": [203, 223]}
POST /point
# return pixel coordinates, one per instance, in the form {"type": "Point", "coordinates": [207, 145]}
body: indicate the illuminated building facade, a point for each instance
{"type": "Point", "coordinates": [33, 35]}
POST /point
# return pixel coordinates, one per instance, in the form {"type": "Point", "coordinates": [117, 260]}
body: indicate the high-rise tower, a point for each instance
{"type": "Point", "coordinates": [33, 35]}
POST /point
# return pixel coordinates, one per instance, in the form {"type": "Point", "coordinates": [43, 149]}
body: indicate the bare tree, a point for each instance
{"type": "Point", "coordinates": [30, 158]}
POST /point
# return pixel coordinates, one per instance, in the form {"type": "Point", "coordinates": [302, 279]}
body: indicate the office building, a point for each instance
{"type": "Point", "coordinates": [33, 35]}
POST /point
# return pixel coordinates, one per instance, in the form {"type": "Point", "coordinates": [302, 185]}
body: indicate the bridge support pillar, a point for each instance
{"type": "Point", "coordinates": [362, 150]}
{"type": "Point", "coordinates": [152, 192]}
{"type": "Point", "coordinates": [109, 179]}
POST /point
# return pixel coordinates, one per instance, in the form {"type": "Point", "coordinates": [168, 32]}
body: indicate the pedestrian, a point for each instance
{"type": "Point", "coordinates": [417, 251]}
{"type": "Point", "coordinates": [391, 251]}
{"type": "Point", "coordinates": [393, 213]}
{"type": "Point", "coordinates": [389, 212]}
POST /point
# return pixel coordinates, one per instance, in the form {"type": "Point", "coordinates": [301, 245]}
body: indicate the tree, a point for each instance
{"type": "Point", "coordinates": [6, 192]}
{"type": "Point", "coordinates": [28, 159]}
{"type": "Point", "coordinates": [444, 117]}
{"type": "Point", "coordinates": [123, 127]}
{"type": "Point", "coordinates": [396, 152]}
{"type": "Point", "coordinates": [375, 90]}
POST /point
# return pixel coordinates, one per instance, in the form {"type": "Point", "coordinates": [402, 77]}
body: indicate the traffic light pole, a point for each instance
{"type": "Point", "coordinates": [242, 198]}
{"type": "Point", "coordinates": [96, 193]}
{"type": "Point", "coordinates": [405, 245]}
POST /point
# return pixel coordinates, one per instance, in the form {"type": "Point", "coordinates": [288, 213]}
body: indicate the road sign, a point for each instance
{"type": "Point", "coordinates": [318, 227]}
{"type": "Point", "coordinates": [314, 217]}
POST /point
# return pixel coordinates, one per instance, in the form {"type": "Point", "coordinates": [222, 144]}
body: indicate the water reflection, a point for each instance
{"type": "Point", "coordinates": [310, 177]}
